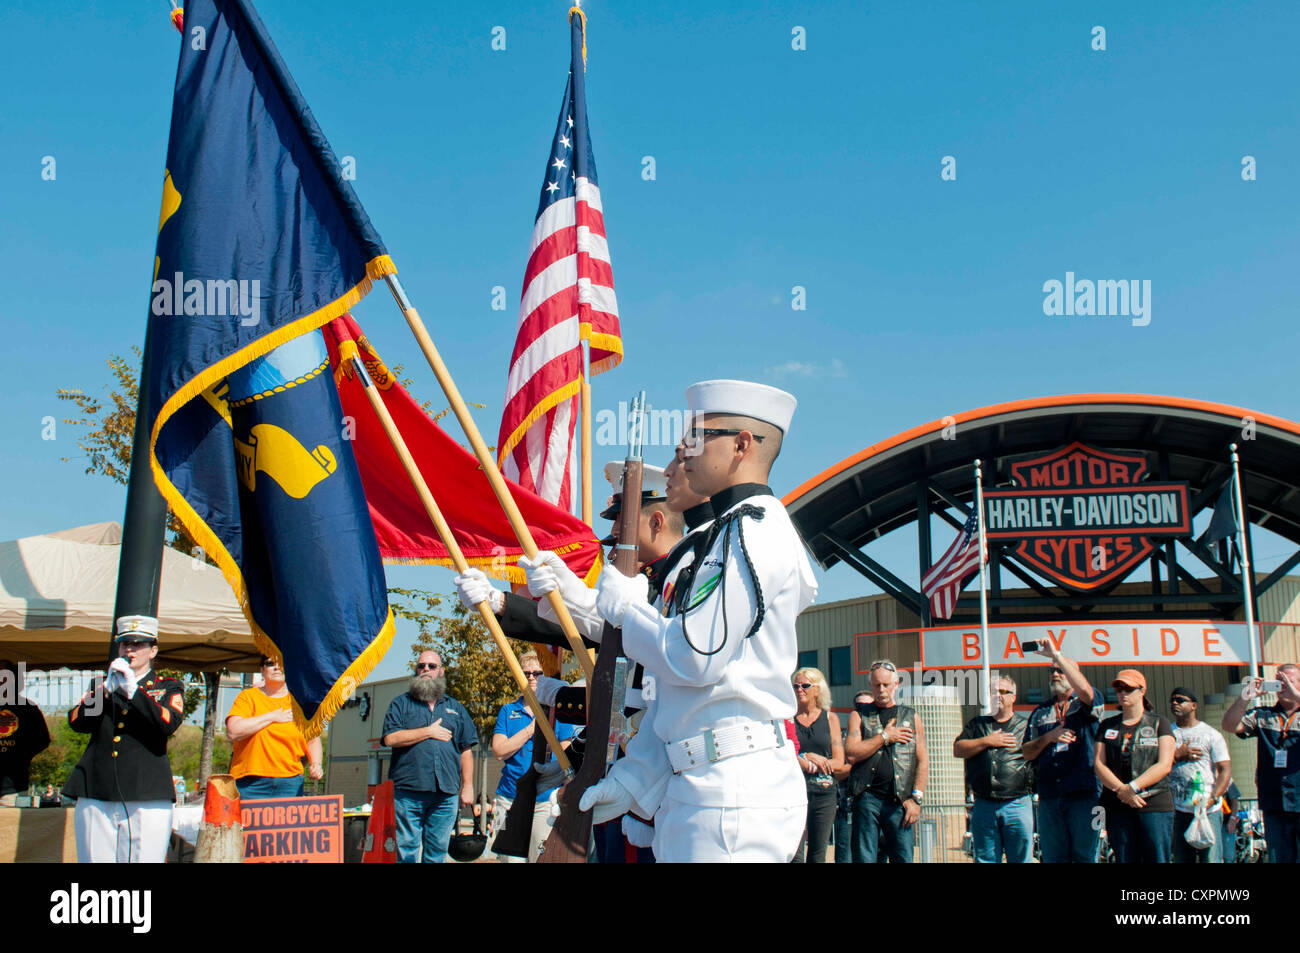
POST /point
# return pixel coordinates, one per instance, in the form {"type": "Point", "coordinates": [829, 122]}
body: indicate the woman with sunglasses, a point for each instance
{"type": "Point", "coordinates": [1135, 753]}
{"type": "Point", "coordinates": [821, 753]}
{"type": "Point", "coordinates": [268, 745]}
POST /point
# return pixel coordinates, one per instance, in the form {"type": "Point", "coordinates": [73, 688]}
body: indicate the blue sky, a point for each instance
{"type": "Point", "coordinates": [775, 168]}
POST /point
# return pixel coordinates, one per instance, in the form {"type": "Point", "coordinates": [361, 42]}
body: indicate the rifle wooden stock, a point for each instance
{"type": "Point", "coordinates": [570, 838]}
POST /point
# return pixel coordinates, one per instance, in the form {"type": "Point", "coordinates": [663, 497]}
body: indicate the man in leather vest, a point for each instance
{"type": "Point", "coordinates": [890, 769]}
{"type": "Point", "coordinates": [997, 773]}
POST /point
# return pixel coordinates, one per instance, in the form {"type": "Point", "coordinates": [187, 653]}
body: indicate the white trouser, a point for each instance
{"type": "Point", "coordinates": [690, 833]}
{"type": "Point", "coordinates": [107, 834]}
{"type": "Point", "coordinates": [542, 824]}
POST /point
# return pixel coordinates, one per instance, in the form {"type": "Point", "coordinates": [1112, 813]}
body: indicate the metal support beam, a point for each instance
{"type": "Point", "coordinates": [877, 573]}
{"type": "Point", "coordinates": [1272, 578]}
{"type": "Point", "coordinates": [923, 547]}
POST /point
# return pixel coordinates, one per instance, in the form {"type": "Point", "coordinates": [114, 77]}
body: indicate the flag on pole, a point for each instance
{"type": "Point", "coordinates": [260, 242]}
{"type": "Point", "coordinates": [402, 527]}
{"type": "Point", "coordinates": [568, 297]}
{"type": "Point", "coordinates": [944, 581]}
{"type": "Point", "coordinates": [1223, 524]}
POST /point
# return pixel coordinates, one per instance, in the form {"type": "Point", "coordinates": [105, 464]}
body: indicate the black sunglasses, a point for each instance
{"type": "Point", "coordinates": [696, 433]}
{"type": "Point", "coordinates": [888, 665]}
{"type": "Point", "coordinates": [528, 674]}
{"type": "Point", "coordinates": [421, 666]}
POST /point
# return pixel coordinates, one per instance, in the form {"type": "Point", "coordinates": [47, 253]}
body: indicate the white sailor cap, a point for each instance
{"type": "Point", "coordinates": [654, 487]}
{"type": "Point", "coordinates": [136, 627]}
{"type": "Point", "coordinates": [744, 399]}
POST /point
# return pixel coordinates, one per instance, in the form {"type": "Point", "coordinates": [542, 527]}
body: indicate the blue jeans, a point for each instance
{"type": "Point", "coordinates": [998, 826]}
{"type": "Point", "coordinates": [1067, 833]}
{"type": "Point", "coordinates": [253, 788]}
{"type": "Point", "coordinates": [1282, 836]}
{"type": "Point", "coordinates": [843, 842]}
{"type": "Point", "coordinates": [1140, 837]}
{"type": "Point", "coordinates": [424, 824]}
{"type": "Point", "coordinates": [874, 817]}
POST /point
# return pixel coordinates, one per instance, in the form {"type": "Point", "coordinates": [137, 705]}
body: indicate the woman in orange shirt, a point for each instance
{"type": "Point", "coordinates": [268, 746]}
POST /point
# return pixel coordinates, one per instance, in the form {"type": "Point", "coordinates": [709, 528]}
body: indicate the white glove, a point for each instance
{"type": "Point", "coordinates": [548, 688]}
{"type": "Point", "coordinates": [554, 801]}
{"type": "Point", "coordinates": [615, 592]}
{"type": "Point", "coordinates": [609, 798]}
{"type": "Point", "coordinates": [473, 587]}
{"type": "Point", "coordinates": [638, 834]}
{"type": "Point", "coordinates": [126, 680]}
{"type": "Point", "coordinates": [542, 572]}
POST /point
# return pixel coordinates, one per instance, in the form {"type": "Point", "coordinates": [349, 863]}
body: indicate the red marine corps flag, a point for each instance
{"type": "Point", "coordinates": [568, 298]}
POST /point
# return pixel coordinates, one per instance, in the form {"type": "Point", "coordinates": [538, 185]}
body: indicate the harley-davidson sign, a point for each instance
{"type": "Point", "coordinates": [1083, 517]}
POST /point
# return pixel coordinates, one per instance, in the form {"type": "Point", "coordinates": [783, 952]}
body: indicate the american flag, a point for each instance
{"type": "Point", "coordinates": [568, 297]}
{"type": "Point", "coordinates": [943, 582]}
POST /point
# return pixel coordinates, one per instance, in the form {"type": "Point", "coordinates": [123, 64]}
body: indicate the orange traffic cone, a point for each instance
{"type": "Point", "coordinates": [381, 833]}
{"type": "Point", "coordinates": [221, 835]}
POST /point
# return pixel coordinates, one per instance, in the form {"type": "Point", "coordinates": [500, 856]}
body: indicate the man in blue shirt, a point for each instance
{"type": "Point", "coordinates": [431, 736]}
{"type": "Point", "coordinates": [1061, 741]}
{"type": "Point", "coordinates": [512, 742]}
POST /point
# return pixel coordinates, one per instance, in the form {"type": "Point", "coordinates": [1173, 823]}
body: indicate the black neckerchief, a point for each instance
{"type": "Point", "coordinates": [722, 502]}
{"type": "Point", "coordinates": [698, 515]}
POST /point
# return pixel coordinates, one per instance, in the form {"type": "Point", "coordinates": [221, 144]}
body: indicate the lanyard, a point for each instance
{"type": "Point", "coordinates": [1286, 725]}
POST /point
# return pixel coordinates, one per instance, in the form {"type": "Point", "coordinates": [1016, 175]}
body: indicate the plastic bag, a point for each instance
{"type": "Point", "coordinates": [1199, 834]}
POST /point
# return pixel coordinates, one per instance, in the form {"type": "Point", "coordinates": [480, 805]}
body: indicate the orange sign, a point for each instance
{"type": "Point", "coordinates": [293, 830]}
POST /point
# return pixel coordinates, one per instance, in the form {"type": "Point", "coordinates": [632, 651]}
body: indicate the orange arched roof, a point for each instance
{"type": "Point", "coordinates": [1037, 403]}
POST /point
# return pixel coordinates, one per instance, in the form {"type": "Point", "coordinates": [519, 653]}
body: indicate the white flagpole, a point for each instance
{"type": "Point", "coordinates": [1247, 577]}
{"type": "Point", "coordinates": [986, 694]}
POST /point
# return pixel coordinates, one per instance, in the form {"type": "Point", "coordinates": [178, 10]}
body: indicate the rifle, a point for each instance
{"type": "Point", "coordinates": [570, 838]}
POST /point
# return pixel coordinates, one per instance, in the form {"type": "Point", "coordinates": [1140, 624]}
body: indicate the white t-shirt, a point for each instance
{"type": "Point", "coordinates": [1188, 778]}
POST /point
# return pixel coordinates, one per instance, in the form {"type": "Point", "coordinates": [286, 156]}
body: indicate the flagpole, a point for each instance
{"type": "Point", "coordinates": [1247, 577]}
{"type": "Point", "coordinates": [458, 559]}
{"type": "Point", "coordinates": [985, 688]}
{"type": "Point", "coordinates": [495, 479]}
{"type": "Point", "coordinates": [585, 399]}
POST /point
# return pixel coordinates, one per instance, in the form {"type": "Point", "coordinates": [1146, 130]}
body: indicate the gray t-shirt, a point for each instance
{"type": "Point", "coordinates": [1191, 777]}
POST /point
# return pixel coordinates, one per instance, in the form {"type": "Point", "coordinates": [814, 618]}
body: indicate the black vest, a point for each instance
{"type": "Point", "coordinates": [1144, 749]}
{"type": "Point", "coordinates": [999, 774]}
{"type": "Point", "coordinates": [903, 755]}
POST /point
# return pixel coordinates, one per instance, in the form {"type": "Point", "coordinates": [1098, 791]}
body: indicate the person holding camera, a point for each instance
{"type": "Point", "coordinates": [1135, 753]}
{"type": "Point", "coordinates": [1277, 766]}
{"type": "Point", "coordinates": [1059, 741]}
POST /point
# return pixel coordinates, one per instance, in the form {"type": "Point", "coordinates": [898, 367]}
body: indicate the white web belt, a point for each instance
{"type": "Point", "coordinates": [744, 738]}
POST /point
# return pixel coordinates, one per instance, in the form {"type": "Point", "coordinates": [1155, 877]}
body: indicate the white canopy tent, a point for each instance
{"type": "Point", "coordinates": [56, 605]}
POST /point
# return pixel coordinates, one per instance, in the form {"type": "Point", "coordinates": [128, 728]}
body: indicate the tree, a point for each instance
{"type": "Point", "coordinates": [55, 763]}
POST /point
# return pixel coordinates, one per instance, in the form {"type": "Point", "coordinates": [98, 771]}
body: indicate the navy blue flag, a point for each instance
{"type": "Point", "coordinates": [1223, 524]}
{"type": "Point", "coordinates": [260, 242]}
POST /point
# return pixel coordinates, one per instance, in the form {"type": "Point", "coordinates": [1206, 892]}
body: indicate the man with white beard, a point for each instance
{"type": "Point", "coordinates": [431, 736]}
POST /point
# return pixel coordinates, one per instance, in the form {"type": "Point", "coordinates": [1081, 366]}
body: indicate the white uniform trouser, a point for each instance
{"type": "Point", "coordinates": [107, 834]}
{"type": "Point", "coordinates": [542, 824]}
{"type": "Point", "coordinates": [690, 833]}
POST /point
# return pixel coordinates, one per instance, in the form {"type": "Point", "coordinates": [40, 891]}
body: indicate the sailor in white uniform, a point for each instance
{"type": "Point", "coordinates": [721, 651]}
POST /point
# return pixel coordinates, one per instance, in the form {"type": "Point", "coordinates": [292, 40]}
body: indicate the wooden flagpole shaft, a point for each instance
{"type": "Point", "coordinates": [497, 481]}
{"type": "Point", "coordinates": [458, 559]}
{"type": "Point", "coordinates": [585, 401]}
